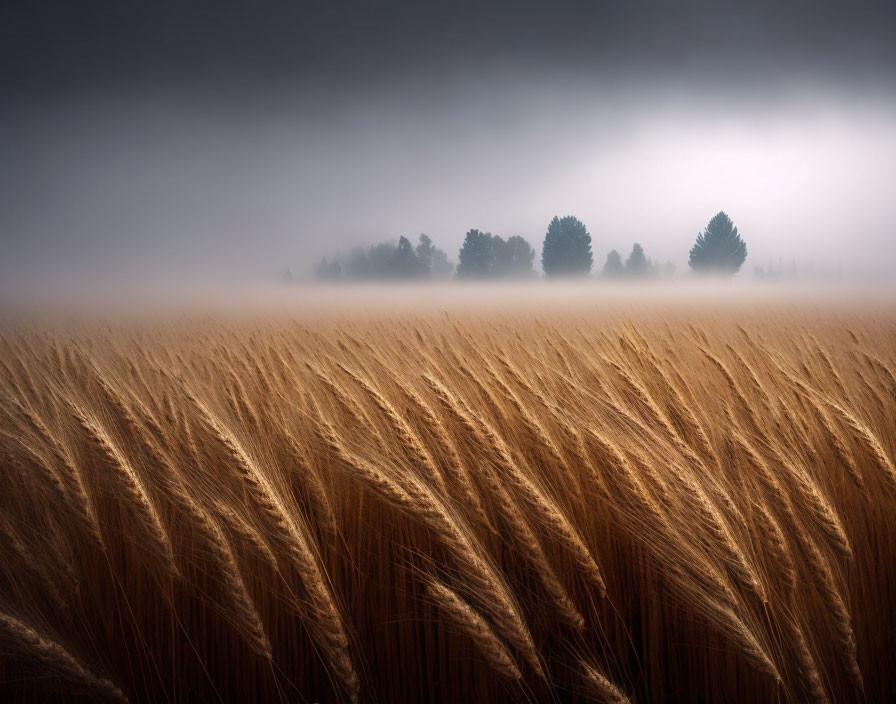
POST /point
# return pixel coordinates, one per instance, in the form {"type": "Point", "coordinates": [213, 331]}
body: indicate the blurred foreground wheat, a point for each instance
{"type": "Point", "coordinates": [573, 508]}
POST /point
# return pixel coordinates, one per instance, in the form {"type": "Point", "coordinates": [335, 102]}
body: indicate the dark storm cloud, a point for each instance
{"type": "Point", "coordinates": [76, 46]}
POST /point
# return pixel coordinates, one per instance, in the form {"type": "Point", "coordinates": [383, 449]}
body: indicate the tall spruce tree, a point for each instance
{"type": "Point", "coordinates": [719, 248]}
{"type": "Point", "coordinates": [567, 248]}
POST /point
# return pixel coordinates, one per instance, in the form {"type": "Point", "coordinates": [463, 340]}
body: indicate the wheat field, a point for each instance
{"type": "Point", "coordinates": [564, 506]}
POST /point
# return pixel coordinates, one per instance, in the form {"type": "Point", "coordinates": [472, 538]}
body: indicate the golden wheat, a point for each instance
{"type": "Point", "coordinates": [418, 507]}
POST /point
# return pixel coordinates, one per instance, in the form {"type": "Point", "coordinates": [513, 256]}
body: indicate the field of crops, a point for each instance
{"type": "Point", "coordinates": [542, 506]}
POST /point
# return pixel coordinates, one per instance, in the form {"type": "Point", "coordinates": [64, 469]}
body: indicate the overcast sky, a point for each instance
{"type": "Point", "coordinates": [176, 139]}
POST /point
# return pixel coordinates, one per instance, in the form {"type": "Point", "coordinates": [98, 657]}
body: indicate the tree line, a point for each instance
{"type": "Point", "coordinates": [566, 251]}
{"type": "Point", "coordinates": [388, 260]}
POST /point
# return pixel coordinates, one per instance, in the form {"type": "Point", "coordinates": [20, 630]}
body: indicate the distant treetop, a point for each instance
{"type": "Point", "coordinates": [567, 248]}
{"type": "Point", "coordinates": [637, 264]}
{"type": "Point", "coordinates": [487, 256]}
{"type": "Point", "coordinates": [388, 261]}
{"type": "Point", "coordinates": [566, 251]}
{"type": "Point", "coordinates": [613, 268]}
{"type": "Point", "coordinates": [719, 248]}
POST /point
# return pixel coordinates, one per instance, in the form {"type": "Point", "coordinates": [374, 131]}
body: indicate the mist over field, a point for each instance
{"type": "Point", "coordinates": [351, 301]}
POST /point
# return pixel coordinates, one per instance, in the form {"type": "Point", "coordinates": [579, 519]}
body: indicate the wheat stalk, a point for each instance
{"type": "Point", "coordinates": [55, 656]}
{"type": "Point", "coordinates": [475, 627]}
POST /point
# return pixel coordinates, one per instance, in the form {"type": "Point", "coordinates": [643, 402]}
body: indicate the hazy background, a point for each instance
{"type": "Point", "coordinates": [172, 141]}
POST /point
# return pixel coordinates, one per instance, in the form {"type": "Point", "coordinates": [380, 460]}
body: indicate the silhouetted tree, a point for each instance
{"type": "Point", "coordinates": [476, 256]}
{"type": "Point", "coordinates": [484, 255]}
{"type": "Point", "coordinates": [613, 268]}
{"type": "Point", "coordinates": [567, 248]}
{"type": "Point", "coordinates": [719, 248]}
{"type": "Point", "coordinates": [388, 260]}
{"type": "Point", "coordinates": [425, 252]}
{"type": "Point", "coordinates": [432, 261]}
{"type": "Point", "coordinates": [405, 264]}
{"type": "Point", "coordinates": [637, 265]}
{"type": "Point", "coordinates": [513, 258]}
